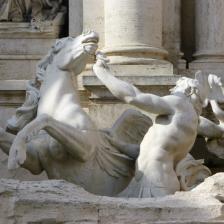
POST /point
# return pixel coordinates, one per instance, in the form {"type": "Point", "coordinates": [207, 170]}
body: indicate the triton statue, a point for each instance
{"type": "Point", "coordinates": [174, 131]}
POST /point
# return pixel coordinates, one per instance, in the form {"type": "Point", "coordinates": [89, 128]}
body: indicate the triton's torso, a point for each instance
{"type": "Point", "coordinates": [171, 136]}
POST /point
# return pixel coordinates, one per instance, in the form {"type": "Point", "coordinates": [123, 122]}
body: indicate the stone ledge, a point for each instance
{"type": "Point", "coordinates": [12, 92]}
{"type": "Point", "coordinates": [92, 81]}
{"type": "Point", "coordinates": [56, 201]}
{"type": "Point", "coordinates": [13, 85]}
{"type": "Point", "coordinates": [14, 30]}
{"type": "Point", "coordinates": [99, 91]}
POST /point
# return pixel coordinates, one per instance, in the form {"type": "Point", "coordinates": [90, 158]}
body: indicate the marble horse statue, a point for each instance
{"type": "Point", "coordinates": [51, 131]}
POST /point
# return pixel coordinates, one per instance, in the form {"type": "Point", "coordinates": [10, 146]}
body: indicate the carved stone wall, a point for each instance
{"type": "Point", "coordinates": [27, 31]}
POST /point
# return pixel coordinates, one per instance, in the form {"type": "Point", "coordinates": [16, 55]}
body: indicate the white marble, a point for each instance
{"type": "Point", "coordinates": [56, 135]}
{"type": "Point", "coordinates": [53, 131]}
{"type": "Point", "coordinates": [173, 133]}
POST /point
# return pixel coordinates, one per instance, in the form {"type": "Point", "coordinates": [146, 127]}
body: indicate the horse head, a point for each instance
{"type": "Point", "coordinates": [73, 53]}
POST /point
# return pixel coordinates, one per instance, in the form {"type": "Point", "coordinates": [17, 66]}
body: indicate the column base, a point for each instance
{"type": "Point", "coordinates": [214, 66]}
{"type": "Point", "coordinates": [153, 67]}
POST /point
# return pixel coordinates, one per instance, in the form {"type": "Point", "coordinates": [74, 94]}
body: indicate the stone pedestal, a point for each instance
{"type": "Point", "coordinates": [209, 55]}
{"type": "Point", "coordinates": [58, 201]}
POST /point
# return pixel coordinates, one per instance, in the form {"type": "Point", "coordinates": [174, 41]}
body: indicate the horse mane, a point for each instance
{"type": "Point", "coordinates": [28, 111]}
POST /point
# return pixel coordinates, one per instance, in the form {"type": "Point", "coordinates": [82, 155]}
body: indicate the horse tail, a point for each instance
{"type": "Point", "coordinates": [27, 112]}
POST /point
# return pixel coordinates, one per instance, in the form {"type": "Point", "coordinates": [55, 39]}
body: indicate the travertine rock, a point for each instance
{"type": "Point", "coordinates": [54, 202]}
{"type": "Point", "coordinates": [213, 185]}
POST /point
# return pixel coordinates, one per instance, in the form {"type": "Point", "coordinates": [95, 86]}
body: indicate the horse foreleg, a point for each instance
{"type": "Point", "coordinates": [78, 143]}
{"type": "Point", "coordinates": [17, 153]}
{"type": "Point", "coordinates": [32, 162]}
{"type": "Point", "coordinates": [6, 140]}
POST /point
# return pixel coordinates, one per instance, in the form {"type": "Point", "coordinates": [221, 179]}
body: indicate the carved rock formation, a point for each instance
{"type": "Point", "coordinates": [61, 202]}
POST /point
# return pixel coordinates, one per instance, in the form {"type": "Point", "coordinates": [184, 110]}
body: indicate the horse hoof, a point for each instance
{"type": "Point", "coordinates": [12, 164]}
{"type": "Point", "coordinates": [17, 154]}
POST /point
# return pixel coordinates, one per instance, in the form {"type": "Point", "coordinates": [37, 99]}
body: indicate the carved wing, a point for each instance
{"type": "Point", "coordinates": [131, 126]}
{"type": "Point", "coordinates": [120, 144]}
{"type": "Point", "coordinates": [27, 112]}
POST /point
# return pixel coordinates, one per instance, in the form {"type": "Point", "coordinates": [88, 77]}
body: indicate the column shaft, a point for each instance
{"type": "Point", "coordinates": [75, 17]}
{"type": "Point", "coordinates": [133, 32]}
{"type": "Point", "coordinates": [209, 53]}
{"type": "Point", "coordinates": [172, 33]}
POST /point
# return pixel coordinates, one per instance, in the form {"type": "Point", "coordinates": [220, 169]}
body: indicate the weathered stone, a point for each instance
{"type": "Point", "coordinates": [209, 37]}
{"type": "Point", "coordinates": [212, 185]}
{"type": "Point", "coordinates": [51, 202]}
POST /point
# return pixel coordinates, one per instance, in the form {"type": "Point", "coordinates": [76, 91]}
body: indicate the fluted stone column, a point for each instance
{"type": "Point", "coordinates": [133, 37]}
{"type": "Point", "coordinates": [209, 55]}
{"type": "Point", "coordinates": [75, 17]}
{"type": "Point", "coordinates": [93, 18]}
{"type": "Point", "coordinates": [172, 33]}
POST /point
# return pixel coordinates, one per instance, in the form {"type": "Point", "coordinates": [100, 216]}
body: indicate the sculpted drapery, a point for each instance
{"type": "Point", "coordinates": [24, 10]}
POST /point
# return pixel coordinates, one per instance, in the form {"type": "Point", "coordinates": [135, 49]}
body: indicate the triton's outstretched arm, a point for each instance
{"type": "Point", "coordinates": [209, 129]}
{"type": "Point", "coordinates": [129, 93]}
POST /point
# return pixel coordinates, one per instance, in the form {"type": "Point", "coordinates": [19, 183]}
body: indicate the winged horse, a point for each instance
{"type": "Point", "coordinates": [54, 134]}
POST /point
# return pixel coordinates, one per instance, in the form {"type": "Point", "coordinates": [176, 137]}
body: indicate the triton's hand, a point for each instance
{"type": "Point", "coordinates": [102, 60]}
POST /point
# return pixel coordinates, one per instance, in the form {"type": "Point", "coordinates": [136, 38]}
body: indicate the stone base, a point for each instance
{"type": "Point", "coordinates": [208, 66]}
{"type": "Point", "coordinates": [156, 84]}
{"type": "Point", "coordinates": [54, 202]}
